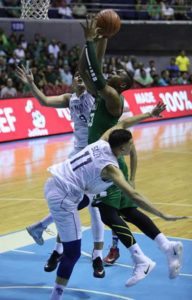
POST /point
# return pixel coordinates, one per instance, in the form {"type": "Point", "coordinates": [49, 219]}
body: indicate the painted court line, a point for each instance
{"type": "Point", "coordinates": [82, 253]}
{"type": "Point", "coordinates": [89, 255]}
{"type": "Point", "coordinates": [177, 152]}
{"type": "Point", "coordinates": [128, 266]}
{"type": "Point", "coordinates": [173, 204]}
{"type": "Point", "coordinates": [42, 199]}
{"type": "Point", "coordinates": [187, 275]}
{"type": "Point", "coordinates": [70, 289]}
{"type": "Point", "coordinates": [22, 251]}
{"type": "Point", "coordinates": [18, 240]}
{"type": "Point", "coordinates": [117, 264]}
{"type": "Point", "coordinates": [21, 239]}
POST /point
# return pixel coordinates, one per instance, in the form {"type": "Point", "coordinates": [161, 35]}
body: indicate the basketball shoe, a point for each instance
{"type": "Point", "coordinates": [98, 269]}
{"type": "Point", "coordinates": [36, 232]}
{"type": "Point", "coordinates": [112, 256]}
{"type": "Point", "coordinates": [174, 257]}
{"type": "Point", "coordinates": [143, 267]}
{"type": "Point", "coordinates": [53, 261]}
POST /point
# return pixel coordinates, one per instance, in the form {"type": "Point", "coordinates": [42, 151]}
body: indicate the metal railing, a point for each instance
{"type": "Point", "coordinates": [126, 11]}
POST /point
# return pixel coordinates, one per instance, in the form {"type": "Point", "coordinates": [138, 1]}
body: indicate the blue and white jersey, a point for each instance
{"type": "Point", "coordinates": [82, 173]}
{"type": "Point", "coordinates": [80, 109]}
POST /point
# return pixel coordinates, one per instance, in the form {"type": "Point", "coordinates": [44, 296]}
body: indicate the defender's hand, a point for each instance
{"type": "Point", "coordinates": [158, 109]}
{"type": "Point", "coordinates": [25, 75]}
{"type": "Point", "coordinates": [173, 218]}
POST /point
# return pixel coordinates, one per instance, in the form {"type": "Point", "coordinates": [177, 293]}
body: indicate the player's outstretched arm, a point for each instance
{"type": "Point", "coordinates": [84, 73]}
{"type": "Point", "coordinates": [113, 173]}
{"type": "Point", "coordinates": [133, 165]}
{"type": "Point", "coordinates": [131, 121]}
{"type": "Point", "coordinates": [26, 76]}
{"type": "Point", "coordinates": [100, 46]}
{"type": "Point", "coordinates": [108, 93]}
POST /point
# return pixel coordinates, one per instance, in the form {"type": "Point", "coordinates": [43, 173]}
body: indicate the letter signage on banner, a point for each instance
{"type": "Point", "coordinates": [178, 100]}
{"type": "Point", "coordinates": [25, 118]}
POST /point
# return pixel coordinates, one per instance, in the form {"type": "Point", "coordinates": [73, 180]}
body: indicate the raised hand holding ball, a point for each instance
{"type": "Point", "coordinates": [108, 22]}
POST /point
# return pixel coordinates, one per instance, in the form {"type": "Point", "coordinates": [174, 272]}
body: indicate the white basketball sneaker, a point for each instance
{"type": "Point", "coordinates": [174, 257]}
{"type": "Point", "coordinates": [143, 266]}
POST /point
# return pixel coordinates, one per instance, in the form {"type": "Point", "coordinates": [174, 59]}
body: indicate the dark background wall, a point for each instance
{"type": "Point", "coordinates": [155, 38]}
{"type": "Point", "coordinates": [146, 40]}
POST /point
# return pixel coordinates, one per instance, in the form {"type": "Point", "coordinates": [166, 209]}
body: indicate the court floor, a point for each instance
{"type": "Point", "coordinates": [22, 276]}
{"type": "Point", "coordinates": [164, 176]}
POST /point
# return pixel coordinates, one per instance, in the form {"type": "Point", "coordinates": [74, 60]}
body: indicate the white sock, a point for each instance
{"type": "Point", "coordinates": [97, 225]}
{"type": "Point", "coordinates": [57, 292]}
{"type": "Point", "coordinates": [59, 248]}
{"type": "Point", "coordinates": [97, 253]}
{"type": "Point", "coordinates": [162, 242]}
{"type": "Point", "coordinates": [135, 249]}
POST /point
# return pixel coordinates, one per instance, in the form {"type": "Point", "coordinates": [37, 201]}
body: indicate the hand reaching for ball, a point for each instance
{"type": "Point", "coordinates": [106, 24]}
{"type": "Point", "coordinates": [90, 29]}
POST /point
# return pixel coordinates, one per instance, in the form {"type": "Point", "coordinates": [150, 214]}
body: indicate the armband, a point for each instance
{"type": "Point", "coordinates": [93, 67]}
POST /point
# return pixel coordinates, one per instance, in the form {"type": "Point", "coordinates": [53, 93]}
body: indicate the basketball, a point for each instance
{"type": "Point", "coordinates": [108, 21]}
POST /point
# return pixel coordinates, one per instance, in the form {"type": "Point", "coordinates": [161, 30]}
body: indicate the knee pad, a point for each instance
{"type": "Point", "coordinates": [72, 252]}
{"type": "Point", "coordinates": [72, 249]}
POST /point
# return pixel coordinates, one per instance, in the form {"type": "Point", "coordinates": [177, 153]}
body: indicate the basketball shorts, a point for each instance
{"type": "Point", "coordinates": [63, 210]}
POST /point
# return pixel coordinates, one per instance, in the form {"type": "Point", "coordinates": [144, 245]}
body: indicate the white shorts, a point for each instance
{"type": "Point", "coordinates": [63, 211]}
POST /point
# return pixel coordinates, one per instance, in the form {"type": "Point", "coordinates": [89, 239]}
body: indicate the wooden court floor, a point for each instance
{"type": "Point", "coordinates": [163, 175]}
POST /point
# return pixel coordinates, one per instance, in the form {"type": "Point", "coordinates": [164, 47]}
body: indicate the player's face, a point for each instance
{"type": "Point", "coordinates": [126, 148]}
{"type": "Point", "coordinates": [116, 80]}
{"type": "Point", "coordinates": [77, 81]}
{"type": "Point", "coordinates": [117, 73]}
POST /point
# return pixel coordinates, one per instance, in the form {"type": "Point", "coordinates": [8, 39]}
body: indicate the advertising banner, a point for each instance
{"type": "Point", "coordinates": [26, 118]}
{"type": "Point", "coordinates": [178, 100]}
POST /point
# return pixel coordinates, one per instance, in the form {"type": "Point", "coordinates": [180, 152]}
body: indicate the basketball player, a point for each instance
{"type": "Point", "coordinates": [81, 136]}
{"type": "Point", "coordinates": [92, 170]}
{"type": "Point", "coordinates": [80, 104]}
{"type": "Point", "coordinates": [109, 109]}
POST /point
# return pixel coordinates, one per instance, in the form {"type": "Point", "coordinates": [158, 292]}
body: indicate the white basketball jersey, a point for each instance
{"type": "Point", "coordinates": [80, 108]}
{"type": "Point", "coordinates": [82, 173]}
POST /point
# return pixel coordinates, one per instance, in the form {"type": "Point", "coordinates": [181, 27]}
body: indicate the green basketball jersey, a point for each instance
{"type": "Point", "coordinates": [114, 196]}
{"type": "Point", "coordinates": [101, 120]}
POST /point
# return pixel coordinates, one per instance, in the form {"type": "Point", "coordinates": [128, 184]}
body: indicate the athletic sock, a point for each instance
{"type": "Point", "coordinates": [115, 241]}
{"type": "Point", "coordinates": [162, 242]}
{"type": "Point", "coordinates": [97, 253]}
{"type": "Point", "coordinates": [57, 292]}
{"type": "Point", "coordinates": [135, 249]}
{"type": "Point", "coordinates": [59, 248]}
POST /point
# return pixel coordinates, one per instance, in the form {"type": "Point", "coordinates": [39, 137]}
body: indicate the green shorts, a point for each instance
{"type": "Point", "coordinates": [115, 197]}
